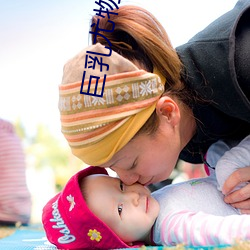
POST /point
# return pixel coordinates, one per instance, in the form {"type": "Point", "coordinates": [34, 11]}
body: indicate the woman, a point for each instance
{"type": "Point", "coordinates": [206, 97]}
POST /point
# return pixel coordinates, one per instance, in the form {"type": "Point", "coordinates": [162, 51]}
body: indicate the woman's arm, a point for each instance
{"type": "Point", "coordinates": [233, 175]}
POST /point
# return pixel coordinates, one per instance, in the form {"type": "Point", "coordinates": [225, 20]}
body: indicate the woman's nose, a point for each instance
{"type": "Point", "coordinates": [126, 177]}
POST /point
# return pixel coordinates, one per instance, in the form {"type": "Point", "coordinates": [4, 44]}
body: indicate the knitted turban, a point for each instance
{"type": "Point", "coordinates": [98, 127]}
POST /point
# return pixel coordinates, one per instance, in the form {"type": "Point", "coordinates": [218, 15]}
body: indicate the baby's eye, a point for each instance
{"type": "Point", "coordinates": [121, 186]}
{"type": "Point", "coordinates": [120, 206]}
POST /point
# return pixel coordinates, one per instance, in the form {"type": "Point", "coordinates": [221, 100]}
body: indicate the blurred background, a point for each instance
{"type": "Point", "coordinates": [36, 39]}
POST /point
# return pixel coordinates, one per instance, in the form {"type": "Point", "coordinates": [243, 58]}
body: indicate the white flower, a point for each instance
{"type": "Point", "coordinates": [72, 203]}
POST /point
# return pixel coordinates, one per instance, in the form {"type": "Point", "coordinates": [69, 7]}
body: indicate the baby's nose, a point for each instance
{"type": "Point", "coordinates": [133, 197]}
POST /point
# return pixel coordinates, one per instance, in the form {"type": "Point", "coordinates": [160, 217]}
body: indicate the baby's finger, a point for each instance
{"type": "Point", "coordinates": [244, 206]}
{"type": "Point", "coordinates": [240, 195]}
{"type": "Point", "coordinates": [237, 177]}
{"type": "Point", "coordinates": [245, 211]}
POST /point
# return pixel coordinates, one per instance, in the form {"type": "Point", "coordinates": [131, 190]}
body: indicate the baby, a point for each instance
{"type": "Point", "coordinates": [96, 211]}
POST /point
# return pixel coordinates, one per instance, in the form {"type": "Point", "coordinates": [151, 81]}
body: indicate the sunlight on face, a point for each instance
{"type": "Point", "coordinates": [130, 211]}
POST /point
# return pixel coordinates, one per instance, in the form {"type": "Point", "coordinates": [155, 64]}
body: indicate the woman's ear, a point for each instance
{"type": "Point", "coordinates": [168, 110]}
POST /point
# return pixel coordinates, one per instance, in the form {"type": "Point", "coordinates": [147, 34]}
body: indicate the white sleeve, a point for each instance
{"type": "Point", "coordinates": [237, 157]}
{"type": "Point", "coordinates": [214, 153]}
{"type": "Point", "coordinates": [201, 229]}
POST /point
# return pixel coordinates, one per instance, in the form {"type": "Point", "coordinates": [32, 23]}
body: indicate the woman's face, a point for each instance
{"type": "Point", "coordinates": [148, 159]}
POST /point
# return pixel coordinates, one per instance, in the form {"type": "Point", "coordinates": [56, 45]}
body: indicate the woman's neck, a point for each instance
{"type": "Point", "coordinates": [187, 125]}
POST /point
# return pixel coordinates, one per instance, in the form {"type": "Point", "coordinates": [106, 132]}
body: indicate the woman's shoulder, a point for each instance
{"type": "Point", "coordinates": [209, 65]}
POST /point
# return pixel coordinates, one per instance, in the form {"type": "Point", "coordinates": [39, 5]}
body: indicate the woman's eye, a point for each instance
{"type": "Point", "coordinates": [120, 206]}
{"type": "Point", "coordinates": [121, 186]}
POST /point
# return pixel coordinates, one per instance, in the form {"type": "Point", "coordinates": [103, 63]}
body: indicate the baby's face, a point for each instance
{"type": "Point", "coordinates": [130, 211]}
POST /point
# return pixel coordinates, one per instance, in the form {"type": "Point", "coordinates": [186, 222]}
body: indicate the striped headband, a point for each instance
{"type": "Point", "coordinates": [98, 127]}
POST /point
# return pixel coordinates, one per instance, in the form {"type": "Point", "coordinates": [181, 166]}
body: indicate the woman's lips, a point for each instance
{"type": "Point", "coordinates": [148, 183]}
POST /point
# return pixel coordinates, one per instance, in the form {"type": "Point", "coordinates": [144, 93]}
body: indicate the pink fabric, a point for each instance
{"type": "Point", "coordinates": [69, 223]}
{"type": "Point", "coordinates": [15, 200]}
{"type": "Point", "coordinates": [201, 229]}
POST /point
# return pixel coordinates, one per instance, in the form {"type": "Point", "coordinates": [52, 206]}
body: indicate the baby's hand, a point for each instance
{"type": "Point", "coordinates": [240, 198]}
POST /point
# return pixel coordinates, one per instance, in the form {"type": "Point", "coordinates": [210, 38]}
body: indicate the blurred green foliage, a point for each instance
{"type": "Point", "coordinates": [45, 150]}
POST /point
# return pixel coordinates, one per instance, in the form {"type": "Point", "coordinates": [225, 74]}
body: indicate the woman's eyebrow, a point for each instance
{"type": "Point", "coordinates": [134, 164]}
{"type": "Point", "coordinates": [115, 163]}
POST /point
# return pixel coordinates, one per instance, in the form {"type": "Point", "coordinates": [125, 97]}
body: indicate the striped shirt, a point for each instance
{"type": "Point", "coordinates": [15, 200]}
{"type": "Point", "coordinates": [194, 212]}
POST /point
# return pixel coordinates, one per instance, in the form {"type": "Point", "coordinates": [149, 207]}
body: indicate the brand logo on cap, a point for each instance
{"type": "Point", "coordinates": [67, 237]}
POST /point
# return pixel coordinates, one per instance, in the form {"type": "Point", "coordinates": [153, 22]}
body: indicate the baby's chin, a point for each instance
{"type": "Point", "coordinates": [153, 209]}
